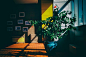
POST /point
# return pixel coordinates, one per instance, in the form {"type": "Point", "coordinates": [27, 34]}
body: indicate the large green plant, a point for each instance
{"type": "Point", "coordinates": [52, 28]}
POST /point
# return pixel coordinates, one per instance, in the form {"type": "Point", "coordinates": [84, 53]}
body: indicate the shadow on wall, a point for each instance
{"type": "Point", "coordinates": [21, 39]}
{"type": "Point", "coordinates": [18, 39]}
{"type": "Point", "coordinates": [78, 36]}
{"type": "Point", "coordinates": [32, 36]}
{"type": "Point", "coordinates": [31, 30]}
{"type": "Point", "coordinates": [63, 43]}
{"type": "Point", "coordinates": [26, 37]}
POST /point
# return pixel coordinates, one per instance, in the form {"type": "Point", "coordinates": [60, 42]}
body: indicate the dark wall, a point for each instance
{"type": "Point", "coordinates": [32, 12]}
{"type": "Point", "coordinates": [78, 36]}
{"type": "Point", "coordinates": [4, 38]}
{"type": "Point", "coordinates": [63, 43]}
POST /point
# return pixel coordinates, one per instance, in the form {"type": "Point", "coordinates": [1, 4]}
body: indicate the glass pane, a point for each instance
{"type": "Point", "coordinates": [84, 11]}
{"type": "Point", "coordinates": [76, 12]}
{"type": "Point", "coordinates": [59, 4]}
{"type": "Point", "coordinates": [72, 8]}
{"type": "Point", "coordinates": [68, 7]}
{"type": "Point", "coordinates": [80, 13]}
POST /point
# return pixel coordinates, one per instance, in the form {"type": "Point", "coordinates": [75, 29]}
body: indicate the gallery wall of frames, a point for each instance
{"type": "Point", "coordinates": [17, 20]}
{"type": "Point", "coordinates": [19, 23]}
{"type": "Point", "coordinates": [18, 27]}
{"type": "Point", "coordinates": [19, 16]}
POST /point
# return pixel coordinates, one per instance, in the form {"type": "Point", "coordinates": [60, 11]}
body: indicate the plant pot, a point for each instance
{"type": "Point", "coordinates": [49, 46]}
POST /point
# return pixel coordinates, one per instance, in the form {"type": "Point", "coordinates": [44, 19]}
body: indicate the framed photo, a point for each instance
{"type": "Point", "coordinates": [27, 23]}
{"type": "Point", "coordinates": [12, 16]}
{"type": "Point", "coordinates": [17, 28]}
{"type": "Point", "coordinates": [25, 29]}
{"type": "Point", "coordinates": [21, 14]}
{"type": "Point", "coordinates": [9, 28]}
{"type": "Point", "coordinates": [9, 22]}
{"type": "Point", "coordinates": [20, 21]}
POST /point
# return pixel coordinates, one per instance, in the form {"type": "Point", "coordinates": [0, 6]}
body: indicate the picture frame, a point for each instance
{"type": "Point", "coordinates": [12, 16]}
{"type": "Point", "coordinates": [21, 14]}
{"type": "Point", "coordinates": [9, 22]}
{"type": "Point", "coordinates": [27, 23]}
{"type": "Point", "coordinates": [25, 29]}
{"type": "Point", "coordinates": [20, 21]}
{"type": "Point", "coordinates": [9, 28]}
{"type": "Point", "coordinates": [17, 28]}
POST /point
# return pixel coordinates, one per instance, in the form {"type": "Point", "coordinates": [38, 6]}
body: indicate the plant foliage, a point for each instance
{"type": "Point", "coordinates": [52, 28]}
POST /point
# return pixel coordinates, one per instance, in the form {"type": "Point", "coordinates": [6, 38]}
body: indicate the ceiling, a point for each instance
{"type": "Point", "coordinates": [25, 1]}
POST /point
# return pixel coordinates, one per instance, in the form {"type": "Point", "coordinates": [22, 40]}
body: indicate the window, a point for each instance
{"type": "Point", "coordinates": [60, 3]}
{"type": "Point", "coordinates": [76, 6]}
{"type": "Point", "coordinates": [84, 11]}
{"type": "Point", "coordinates": [80, 13]}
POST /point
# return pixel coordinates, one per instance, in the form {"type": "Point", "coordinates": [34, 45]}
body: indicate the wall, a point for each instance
{"type": "Point", "coordinates": [79, 11]}
{"type": "Point", "coordinates": [78, 36]}
{"type": "Point", "coordinates": [63, 43]}
{"type": "Point", "coordinates": [78, 41]}
{"type": "Point", "coordinates": [75, 37]}
{"type": "Point", "coordinates": [5, 39]}
{"type": "Point", "coordinates": [32, 12]}
{"type": "Point", "coordinates": [46, 9]}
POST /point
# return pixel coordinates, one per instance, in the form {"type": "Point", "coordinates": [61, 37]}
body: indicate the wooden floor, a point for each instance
{"type": "Point", "coordinates": [24, 50]}
{"type": "Point", "coordinates": [27, 50]}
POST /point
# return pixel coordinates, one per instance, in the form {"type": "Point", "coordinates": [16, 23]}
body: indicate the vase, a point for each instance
{"type": "Point", "coordinates": [49, 46]}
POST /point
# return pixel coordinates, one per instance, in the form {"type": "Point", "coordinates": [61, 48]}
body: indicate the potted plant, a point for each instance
{"type": "Point", "coordinates": [53, 26]}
